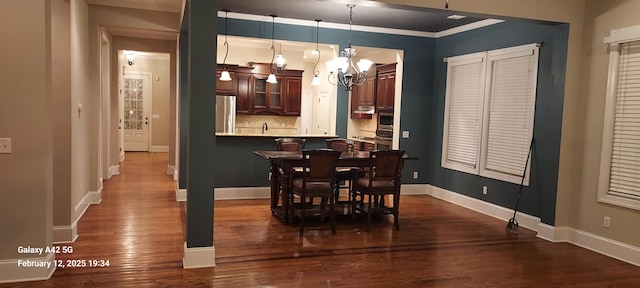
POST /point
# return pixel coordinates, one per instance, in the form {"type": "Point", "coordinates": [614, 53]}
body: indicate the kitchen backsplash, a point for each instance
{"type": "Point", "coordinates": [281, 125]}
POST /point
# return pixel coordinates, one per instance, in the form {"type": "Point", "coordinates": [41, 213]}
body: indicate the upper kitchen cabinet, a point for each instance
{"type": "Point", "coordinates": [240, 86]}
{"type": "Point", "coordinates": [386, 87]}
{"type": "Point", "coordinates": [282, 98]}
{"type": "Point", "coordinates": [365, 94]}
{"type": "Point", "coordinates": [226, 87]}
{"type": "Point", "coordinates": [292, 89]}
{"type": "Point", "coordinates": [244, 90]}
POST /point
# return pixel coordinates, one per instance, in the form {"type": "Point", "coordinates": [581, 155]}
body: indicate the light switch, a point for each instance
{"type": "Point", "coordinates": [405, 134]}
{"type": "Point", "coordinates": [5, 145]}
{"type": "Point", "coordinates": [155, 116]}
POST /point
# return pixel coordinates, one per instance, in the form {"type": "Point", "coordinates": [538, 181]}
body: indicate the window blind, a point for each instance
{"type": "Point", "coordinates": [464, 113]}
{"type": "Point", "coordinates": [509, 113]}
{"type": "Point", "coordinates": [625, 155]}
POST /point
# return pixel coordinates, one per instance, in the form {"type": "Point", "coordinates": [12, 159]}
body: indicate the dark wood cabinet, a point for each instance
{"type": "Point", "coordinates": [254, 95]}
{"type": "Point", "coordinates": [292, 90]}
{"type": "Point", "coordinates": [365, 94]}
{"type": "Point", "coordinates": [266, 96]}
{"type": "Point", "coordinates": [282, 98]}
{"type": "Point", "coordinates": [386, 87]}
{"type": "Point", "coordinates": [225, 87]}
{"type": "Point", "coordinates": [244, 90]}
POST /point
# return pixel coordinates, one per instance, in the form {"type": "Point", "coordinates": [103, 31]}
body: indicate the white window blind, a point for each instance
{"type": "Point", "coordinates": [463, 113]}
{"type": "Point", "coordinates": [510, 104]}
{"type": "Point", "coordinates": [625, 153]}
{"type": "Point", "coordinates": [489, 111]}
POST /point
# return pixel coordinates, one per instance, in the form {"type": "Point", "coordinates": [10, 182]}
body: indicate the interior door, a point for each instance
{"type": "Point", "coordinates": [136, 94]}
{"type": "Point", "coordinates": [322, 111]}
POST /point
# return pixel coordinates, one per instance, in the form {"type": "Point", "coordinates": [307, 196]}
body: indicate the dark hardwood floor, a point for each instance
{"type": "Point", "coordinates": [138, 227]}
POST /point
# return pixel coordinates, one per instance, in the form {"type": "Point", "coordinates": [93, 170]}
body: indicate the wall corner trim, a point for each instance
{"type": "Point", "coordinates": [11, 272]}
{"type": "Point", "coordinates": [198, 257]}
{"type": "Point", "coordinates": [181, 195]}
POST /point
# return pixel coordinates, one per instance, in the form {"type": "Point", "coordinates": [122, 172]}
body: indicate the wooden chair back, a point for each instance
{"type": "Point", "coordinates": [290, 144]}
{"type": "Point", "coordinates": [340, 144]}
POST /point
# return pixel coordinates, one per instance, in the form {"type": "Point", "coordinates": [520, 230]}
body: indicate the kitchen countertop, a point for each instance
{"type": "Point", "coordinates": [371, 140]}
{"type": "Point", "coordinates": [273, 135]}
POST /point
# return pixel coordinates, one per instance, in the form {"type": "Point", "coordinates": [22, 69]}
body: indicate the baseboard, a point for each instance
{"type": "Point", "coordinates": [524, 220]}
{"type": "Point", "coordinates": [171, 169]}
{"type": "Point", "coordinates": [198, 257]}
{"type": "Point", "coordinates": [181, 195]}
{"type": "Point", "coordinates": [159, 149]}
{"type": "Point", "coordinates": [69, 233]}
{"type": "Point", "coordinates": [114, 170]}
{"type": "Point", "coordinates": [605, 246]}
{"type": "Point", "coordinates": [614, 249]}
{"type": "Point", "coordinates": [414, 189]}
{"type": "Point", "coordinates": [11, 272]}
{"type": "Point", "coordinates": [234, 193]}
{"type": "Point", "coordinates": [65, 234]}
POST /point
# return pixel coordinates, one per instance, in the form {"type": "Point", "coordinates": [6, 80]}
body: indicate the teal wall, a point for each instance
{"type": "Point", "coordinates": [540, 198]}
{"type": "Point", "coordinates": [422, 109]}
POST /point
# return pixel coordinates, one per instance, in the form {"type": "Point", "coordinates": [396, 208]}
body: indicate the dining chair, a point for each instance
{"type": "Point", "coordinates": [318, 180]}
{"type": "Point", "coordinates": [290, 144]}
{"type": "Point", "coordinates": [344, 174]}
{"type": "Point", "coordinates": [382, 179]}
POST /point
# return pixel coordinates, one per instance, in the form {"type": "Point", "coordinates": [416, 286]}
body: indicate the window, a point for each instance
{"type": "Point", "coordinates": [490, 102]}
{"type": "Point", "coordinates": [619, 166]}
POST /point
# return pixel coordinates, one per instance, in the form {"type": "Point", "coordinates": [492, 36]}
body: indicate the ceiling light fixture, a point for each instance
{"type": "Point", "coordinates": [280, 62]}
{"type": "Point", "coordinates": [316, 73]}
{"type": "Point", "coordinates": [348, 75]}
{"type": "Point", "coordinates": [225, 76]}
{"type": "Point", "coordinates": [130, 58]}
{"type": "Point", "coordinates": [272, 77]}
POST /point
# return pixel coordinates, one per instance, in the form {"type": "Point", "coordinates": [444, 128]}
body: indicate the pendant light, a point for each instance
{"type": "Point", "coordinates": [342, 70]}
{"type": "Point", "coordinates": [225, 76]}
{"type": "Point", "coordinates": [280, 62]}
{"type": "Point", "coordinates": [316, 73]}
{"type": "Point", "coordinates": [272, 77]}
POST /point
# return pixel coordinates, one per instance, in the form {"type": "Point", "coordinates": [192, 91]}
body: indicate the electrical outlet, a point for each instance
{"type": "Point", "coordinates": [485, 190]}
{"type": "Point", "coordinates": [607, 222]}
{"type": "Point", "coordinates": [415, 174]}
{"type": "Point", "coordinates": [5, 145]}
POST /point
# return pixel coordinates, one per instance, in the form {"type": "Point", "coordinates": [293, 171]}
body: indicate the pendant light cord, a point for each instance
{"type": "Point", "coordinates": [225, 39]}
{"type": "Point", "coordinates": [316, 73]}
{"type": "Point", "coordinates": [273, 36]}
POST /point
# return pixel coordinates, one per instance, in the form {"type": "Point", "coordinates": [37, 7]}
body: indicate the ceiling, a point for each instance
{"type": "Point", "coordinates": [366, 13]}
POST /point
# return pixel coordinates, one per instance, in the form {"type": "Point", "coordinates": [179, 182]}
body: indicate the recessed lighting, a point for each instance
{"type": "Point", "coordinates": [456, 17]}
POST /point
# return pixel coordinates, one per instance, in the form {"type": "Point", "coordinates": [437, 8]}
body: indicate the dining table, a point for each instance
{"type": "Point", "coordinates": [287, 160]}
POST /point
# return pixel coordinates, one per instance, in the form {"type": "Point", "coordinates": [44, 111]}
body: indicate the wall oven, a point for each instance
{"type": "Point", "coordinates": [384, 139]}
{"type": "Point", "coordinates": [385, 121]}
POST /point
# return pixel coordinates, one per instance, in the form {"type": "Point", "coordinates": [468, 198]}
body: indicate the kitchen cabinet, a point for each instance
{"type": "Point", "coordinates": [254, 95]}
{"type": "Point", "coordinates": [225, 87]}
{"type": "Point", "coordinates": [244, 88]}
{"type": "Point", "coordinates": [365, 94]}
{"type": "Point", "coordinates": [386, 87]}
{"type": "Point", "coordinates": [240, 86]}
{"type": "Point", "coordinates": [282, 98]}
{"type": "Point", "coordinates": [292, 89]}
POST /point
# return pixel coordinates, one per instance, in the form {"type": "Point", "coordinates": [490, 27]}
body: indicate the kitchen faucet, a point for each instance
{"type": "Point", "coordinates": [265, 127]}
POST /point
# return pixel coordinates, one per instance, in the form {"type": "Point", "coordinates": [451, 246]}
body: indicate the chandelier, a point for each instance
{"type": "Point", "coordinates": [342, 70]}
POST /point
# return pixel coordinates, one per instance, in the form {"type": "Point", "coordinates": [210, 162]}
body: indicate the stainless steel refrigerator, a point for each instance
{"type": "Point", "coordinates": [225, 114]}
